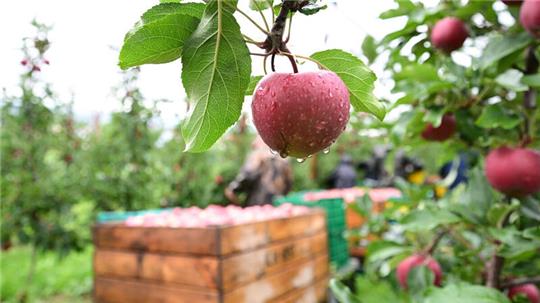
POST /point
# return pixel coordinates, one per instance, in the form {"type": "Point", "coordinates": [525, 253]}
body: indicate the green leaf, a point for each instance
{"type": "Point", "coordinates": [428, 219]}
{"type": "Point", "coordinates": [531, 80]}
{"type": "Point", "coordinates": [501, 46]}
{"type": "Point", "coordinates": [260, 5]}
{"type": "Point", "coordinates": [465, 293]}
{"type": "Point", "coordinates": [254, 80]}
{"type": "Point", "coordinates": [312, 8]}
{"type": "Point", "coordinates": [342, 293]}
{"type": "Point", "coordinates": [375, 291]}
{"type": "Point", "coordinates": [494, 116]}
{"type": "Point", "coordinates": [160, 35]}
{"type": "Point", "coordinates": [358, 78]}
{"type": "Point", "coordinates": [498, 212]}
{"type": "Point", "coordinates": [531, 208]}
{"type": "Point", "coordinates": [434, 116]}
{"type": "Point", "coordinates": [405, 8]}
{"type": "Point", "coordinates": [418, 73]}
{"type": "Point", "coordinates": [511, 79]}
{"type": "Point", "coordinates": [216, 72]}
{"type": "Point", "coordinates": [516, 245]}
{"type": "Point", "coordinates": [382, 250]}
{"type": "Point", "coordinates": [369, 48]}
{"type": "Point", "coordinates": [419, 279]}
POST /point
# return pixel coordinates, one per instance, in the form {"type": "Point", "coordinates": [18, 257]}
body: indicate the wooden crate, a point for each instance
{"type": "Point", "coordinates": [283, 260]}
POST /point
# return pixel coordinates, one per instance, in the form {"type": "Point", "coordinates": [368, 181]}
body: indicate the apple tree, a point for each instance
{"type": "Point", "coordinates": [465, 77]}
{"type": "Point", "coordinates": [39, 145]}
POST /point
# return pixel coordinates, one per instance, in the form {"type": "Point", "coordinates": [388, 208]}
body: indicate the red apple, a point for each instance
{"type": "Point", "coordinates": [512, 2]}
{"type": "Point", "coordinates": [529, 16]}
{"type": "Point", "coordinates": [415, 260]}
{"type": "Point", "coordinates": [514, 171]}
{"type": "Point", "coordinates": [300, 114]}
{"type": "Point", "coordinates": [529, 290]}
{"type": "Point", "coordinates": [443, 132]}
{"type": "Point", "coordinates": [448, 34]}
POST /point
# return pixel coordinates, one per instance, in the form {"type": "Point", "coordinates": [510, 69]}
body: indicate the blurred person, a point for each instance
{"type": "Point", "coordinates": [375, 173]}
{"type": "Point", "coordinates": [263, 177]}
{"type": "Point", "coordinates": [344, 176]}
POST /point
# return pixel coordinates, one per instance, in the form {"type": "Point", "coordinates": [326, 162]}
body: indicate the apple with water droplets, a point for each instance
{"type": "Point", "coordinates": [529, 16]}
{"type": "Point", "coordinates": [514, 171]}
{"type": "Point", "coordinates": [300, 114]}
{"type": "Point", "coordinates": [528, 290]}
{"type": "Point", "coordinates": [448, 34]}
{"type": "Point", "coordinates": [405, 266]}
{"type": "Point", "coordinates": [441, 133]}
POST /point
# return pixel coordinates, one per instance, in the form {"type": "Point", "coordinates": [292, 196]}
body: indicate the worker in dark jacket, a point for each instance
{"type": "Point", "coordinates": [263, 177]}
{"type": "Point", "coordinates": [344, 176]}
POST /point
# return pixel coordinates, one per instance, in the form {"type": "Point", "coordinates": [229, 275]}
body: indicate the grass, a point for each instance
{"type": "Point", "coordinates": [56, 280]}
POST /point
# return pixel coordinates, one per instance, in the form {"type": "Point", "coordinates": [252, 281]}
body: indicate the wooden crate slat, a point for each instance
{"type": "Point", "coordinates": [157, 239]}
{"type": "Point", "coordinates": [207, 241]}
{"type": "Point", "coordinates": [314, 293]}
{"type": "Point", "coordinates": [122, 291]}
{"type": "Point", "coordinates": [271, 287]}
{"type": "Point", "coordinates": [239, 238]}
{"type": "Point", "coordinates": [249, 266]}
{"type": "Point", "coordinates": [193, 271]}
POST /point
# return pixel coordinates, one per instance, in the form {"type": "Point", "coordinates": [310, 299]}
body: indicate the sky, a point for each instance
{"type": "Point", "coordinates": [86, 37]}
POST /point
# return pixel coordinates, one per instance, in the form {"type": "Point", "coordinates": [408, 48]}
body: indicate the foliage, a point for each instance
{"type": "Point", "coordinates": [473, 229]}
{"type": "Point", "coordinates": [70, 276]}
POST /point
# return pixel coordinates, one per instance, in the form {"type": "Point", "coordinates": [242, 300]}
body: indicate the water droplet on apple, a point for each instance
{"type": "Point", "coordinates": [326, 150]}
{"type": "Point", "coordinates": [273, 152]}
{"type": "Point", "coordinates": [310, 156]}
{"type": "Point", "coordinates": [330, 95]}
{"type": "Point", "coordinates": [300, 160]}
{"type": "Point", "coordinates": [340, 119]}
{"type": "Point", "coordinates": [283, 154]}
{"type": "Point", "coordinates": [311, 144]}
{"type": "Point", "coordinates": [273, 93]}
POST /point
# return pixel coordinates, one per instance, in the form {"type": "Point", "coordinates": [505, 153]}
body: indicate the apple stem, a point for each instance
{"type": "Point", "coordinates": [521, 281]}
{"type": "Point", "coordinates": [274, 43]}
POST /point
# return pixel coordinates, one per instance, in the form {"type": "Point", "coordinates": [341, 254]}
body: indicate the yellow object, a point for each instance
{"type": "Point", "coordinates": [404, 209]}
{"type": "Point", "coordinates": [417, 177]}
{"type": "Point", "coordinates": [440, 191]}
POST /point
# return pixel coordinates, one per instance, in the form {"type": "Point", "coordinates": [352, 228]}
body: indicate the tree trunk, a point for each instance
{"type": "Point", "coordinates": [23, 296]}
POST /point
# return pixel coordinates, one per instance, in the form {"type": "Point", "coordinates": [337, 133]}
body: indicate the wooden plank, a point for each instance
{"type": "Point", "coordinates": [242, 268]}
{"type": "Point", "coordinates": [239, 238]}
{"type": "Point", "coordinates": [314, 293]}
{"type": "Point", "coordinates": [121, 291]}
{"type": "Point", "coordinates": [207, 241]}
{"type": "Point", "coordinates": [202, 241]}
{"type": "Point", "coordinates": [301, 275]}
{"type": "Point", "coordinates": [194, 271]}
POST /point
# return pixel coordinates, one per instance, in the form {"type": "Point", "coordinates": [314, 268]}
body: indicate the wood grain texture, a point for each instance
{"type": "Point", "coordinates": [246, 267]}
{"type": "Point", "coordinates": [203, 272]}
{"type": "Point", "coordinates": [128, 291]}
{"type": "Point", "coordinates": [297, 277]}
{"type": "Point", "coordinates": [212, 241]}
{"type": "Point", "coordinates": [314, 293]}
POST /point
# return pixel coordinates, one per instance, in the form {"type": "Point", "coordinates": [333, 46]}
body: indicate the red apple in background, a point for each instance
{"type": "Point", "coordinates": [529, 16]}
{"type": "Point", "coordinates": [514, 171]}
{"type": "Point", "coordinates": [448, 34]}
{"type": "Point", "coordinates": [528, 290]}
{"type": "Point", "coordinates": [512, 2]}
{"type": "Point", "coordinates": [443, 132]}
{"type": "Point", "coordinates": [300, 114]}
{"type": "Point", "coordinates": [413, 261]}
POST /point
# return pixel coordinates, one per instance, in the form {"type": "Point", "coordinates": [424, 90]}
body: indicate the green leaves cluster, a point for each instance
{"type": "Point", "coordinates": [215, 59]}
{"type": "Point", "coordinates": [216, 65]}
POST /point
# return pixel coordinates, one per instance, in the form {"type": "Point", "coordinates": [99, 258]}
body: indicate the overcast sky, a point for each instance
{"type": "Point", "coordinates": [87, 34]}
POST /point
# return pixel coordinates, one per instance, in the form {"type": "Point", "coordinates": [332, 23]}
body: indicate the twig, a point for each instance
{"type": "Point", "coordinates": [272, 65]}
{"type": "Point", "coordinates": [252, 21]}
{"type": "Point", "coordinates": [521, 281]}
{"type": "Point", "coordinates": [530, 97]}
{"type": "Point", "coordinates": [430, 248]}
{"type": "Point", "coordinates": [289, 29]}
{"type": "Point", "coordinates": [262, 15]}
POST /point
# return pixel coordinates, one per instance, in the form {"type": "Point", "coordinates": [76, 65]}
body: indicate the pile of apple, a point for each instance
{"type": "Point", "coordinates": [215, 215]}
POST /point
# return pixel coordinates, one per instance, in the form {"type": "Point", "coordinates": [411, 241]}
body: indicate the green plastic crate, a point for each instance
{"type": "Point", "coordinates": [336, 224]}
{"type": "Point", "coordinates": [114, 216]}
